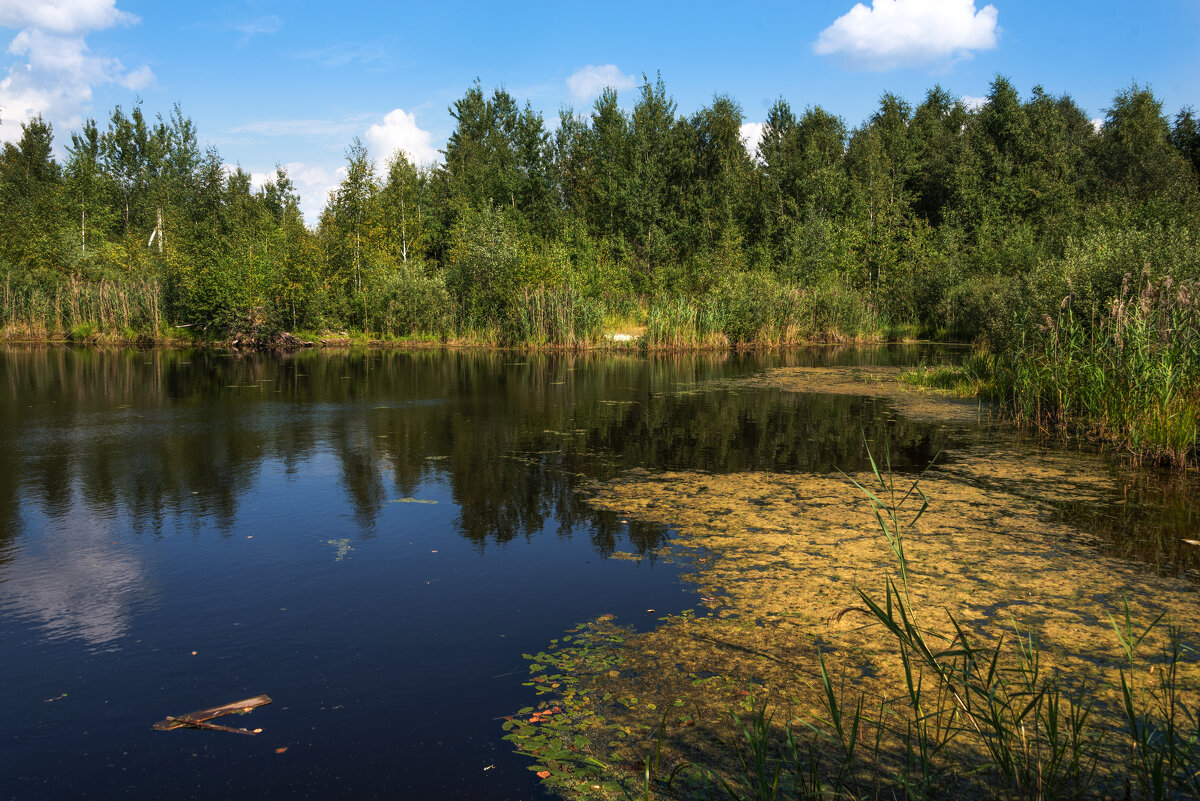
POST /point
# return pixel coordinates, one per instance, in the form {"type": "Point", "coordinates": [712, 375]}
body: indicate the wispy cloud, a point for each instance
{"type": "Point", "coordinates": [591, 80]}
{"type": "Point", "coordinates": [344, 127]}
{"type": "Point", "coordinates": [343, 54]}
{"type": "Point", "coordinates": [259, 26]}
{"type": "Point", "coordinates": [55, 70]}
{"type": "Point", "coordinates": [906, 33]}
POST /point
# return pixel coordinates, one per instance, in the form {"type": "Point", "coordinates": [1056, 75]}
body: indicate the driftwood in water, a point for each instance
{"type": "Point", "coordinates": [200, 719]}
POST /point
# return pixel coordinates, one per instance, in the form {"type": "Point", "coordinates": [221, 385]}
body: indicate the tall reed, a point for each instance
{"type": "Point", "coordinates": [1130, 377]}
{"type": "Point", "coordinates": [555, 317]}
{"type": "Point", "coordinates": [119, 308]}
{"type": "Point", "coordinates": [677, 322]}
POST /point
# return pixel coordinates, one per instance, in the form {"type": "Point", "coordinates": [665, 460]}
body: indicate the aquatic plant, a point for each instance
{"type": "Point", "coordinates": [976, 714]}
{"type": "Point", "coordinates": [556, 733]}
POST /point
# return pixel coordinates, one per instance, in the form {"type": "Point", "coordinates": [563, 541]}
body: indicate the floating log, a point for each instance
{"type": "Point", "coordinates": [200, 718]}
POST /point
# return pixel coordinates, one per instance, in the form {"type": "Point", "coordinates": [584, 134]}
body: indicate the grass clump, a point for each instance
{"type": "Point", "coordinates": [979, 375]}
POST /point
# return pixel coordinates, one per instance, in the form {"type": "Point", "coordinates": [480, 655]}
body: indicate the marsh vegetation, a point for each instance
{"type": "Point", "coordinates": [942, 634]}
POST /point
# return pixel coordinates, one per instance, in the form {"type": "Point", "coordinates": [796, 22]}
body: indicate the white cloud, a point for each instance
{"type": "Point", "coordinates": [63, 16]}
{"type": "Point", "coordinates": [899, 33]}
{"type": "Point", "coordinates": [751, 135]}
{"type": "Point", "coordinates": [313, 182]}
{"type": "Point", "coordinates": [260, 25]}
{"type": "Point", "coordinates": [137, 79]}
{"type": "Point", "coordinates": [55, 71]}
{"type": "Point", "coordinates": [399, 131]}
{"type": "Point", "coordinates": [972, 103]}
{"type": "Point", "coordinates": [590, 81]}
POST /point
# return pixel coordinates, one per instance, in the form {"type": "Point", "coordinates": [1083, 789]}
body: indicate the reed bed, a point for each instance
{"type": "Point", "coordinates": [1130, 377]}
{"type": "Point", "coordinates": [676, 323]}
{"type": "Point", "coordinates": [755, 309]}
{"type": "Point", "coordinates": [556, 317]}
{"type": "Point", "coordinates": [82, 310]}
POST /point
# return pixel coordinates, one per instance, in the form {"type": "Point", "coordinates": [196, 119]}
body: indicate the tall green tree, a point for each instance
{"type": "Point", "coordinates": [1135, 155]}
{"type": "Point", "coordinates": [349, 226]}
{"type": "Point", "coordinates": [31, 194]}
{"type": "Point", "coordinates": [403, 211]}
{"type": "Point", "coordinates": [1185, 136]}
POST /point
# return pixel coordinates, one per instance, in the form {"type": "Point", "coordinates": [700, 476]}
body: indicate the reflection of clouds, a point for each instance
{"type": "Point", "coordinates": [72, 581]}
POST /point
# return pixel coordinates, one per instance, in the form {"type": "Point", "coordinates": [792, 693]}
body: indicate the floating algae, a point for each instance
{"type": "Point", "coordinates": [781, 559]}
{"type": "Point", "coordinates": [342, 547]}
{"type": "Point", "coordinates": [872, 382]}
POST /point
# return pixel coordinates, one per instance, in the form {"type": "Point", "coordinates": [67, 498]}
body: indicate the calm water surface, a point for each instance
{"type": "Point", "coordinates": [372, 539]}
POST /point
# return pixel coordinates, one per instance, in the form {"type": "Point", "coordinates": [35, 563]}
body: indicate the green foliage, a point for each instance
{"type": "Point", "coordinates": [987, 308]}
{"type": "Point", "coordinates": [1131, 375]}
{"type": "Point", "coordinates": [933, 218]}
{"type": "Point", "coordinates": [409, 303]}
{"type": "Point", "coordinates": [483, 267]}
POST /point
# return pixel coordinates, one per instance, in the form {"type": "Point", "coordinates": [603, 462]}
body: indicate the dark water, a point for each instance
{"type": "Point", "coordinates": [372, 539]}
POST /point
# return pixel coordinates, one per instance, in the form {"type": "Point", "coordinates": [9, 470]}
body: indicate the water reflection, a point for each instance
{"type": "Point", "coordinates": [175, 439]}
{"type": "Point", "coordinates": [223, 488]}
{"type": "Point", "coordinates": [75, 582]}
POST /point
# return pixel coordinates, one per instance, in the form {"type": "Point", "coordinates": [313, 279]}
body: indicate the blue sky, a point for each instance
{"type": "Point", "coordinates": [293, 83]}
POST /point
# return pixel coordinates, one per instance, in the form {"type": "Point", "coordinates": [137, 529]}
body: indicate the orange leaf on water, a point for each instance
{"type": "Point", "coordinates": [281, 750]}
{"type": "Point", "coordinates": [543, 774]}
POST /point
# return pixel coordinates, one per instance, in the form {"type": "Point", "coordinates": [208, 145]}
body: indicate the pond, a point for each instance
{"type": "Point", "coordinates": [373, 539]}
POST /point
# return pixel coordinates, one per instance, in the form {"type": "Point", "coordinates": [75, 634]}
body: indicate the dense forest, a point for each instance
{"type": "Point", "coordinates": [933, 220]}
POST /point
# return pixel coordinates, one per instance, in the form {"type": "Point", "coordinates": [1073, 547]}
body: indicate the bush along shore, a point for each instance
{"type": "Point", "coordinates": [634, 221]}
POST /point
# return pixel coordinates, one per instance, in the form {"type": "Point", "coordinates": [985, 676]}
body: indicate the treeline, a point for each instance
{"type": "Point", "coordinates": [937, 219]}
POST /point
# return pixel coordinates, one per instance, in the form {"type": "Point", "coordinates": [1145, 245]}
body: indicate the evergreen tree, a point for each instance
{"type": "Point", "coordinates": [31, 201]}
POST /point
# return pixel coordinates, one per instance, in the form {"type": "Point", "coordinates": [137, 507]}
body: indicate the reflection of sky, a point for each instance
{"type": "Point", "coordinates": [71, 579]}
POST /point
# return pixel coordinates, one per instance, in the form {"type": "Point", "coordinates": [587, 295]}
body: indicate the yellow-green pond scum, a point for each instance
{"type": "Point", "coordinates": [779, 561]}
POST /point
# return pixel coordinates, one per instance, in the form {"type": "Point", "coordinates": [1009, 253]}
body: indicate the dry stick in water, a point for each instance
{"type": "Point", "coordinates": [200, 718]}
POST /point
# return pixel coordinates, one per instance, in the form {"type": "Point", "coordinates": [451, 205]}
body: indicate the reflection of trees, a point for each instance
{"type": "Point", "coordinates": [182, 435]}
